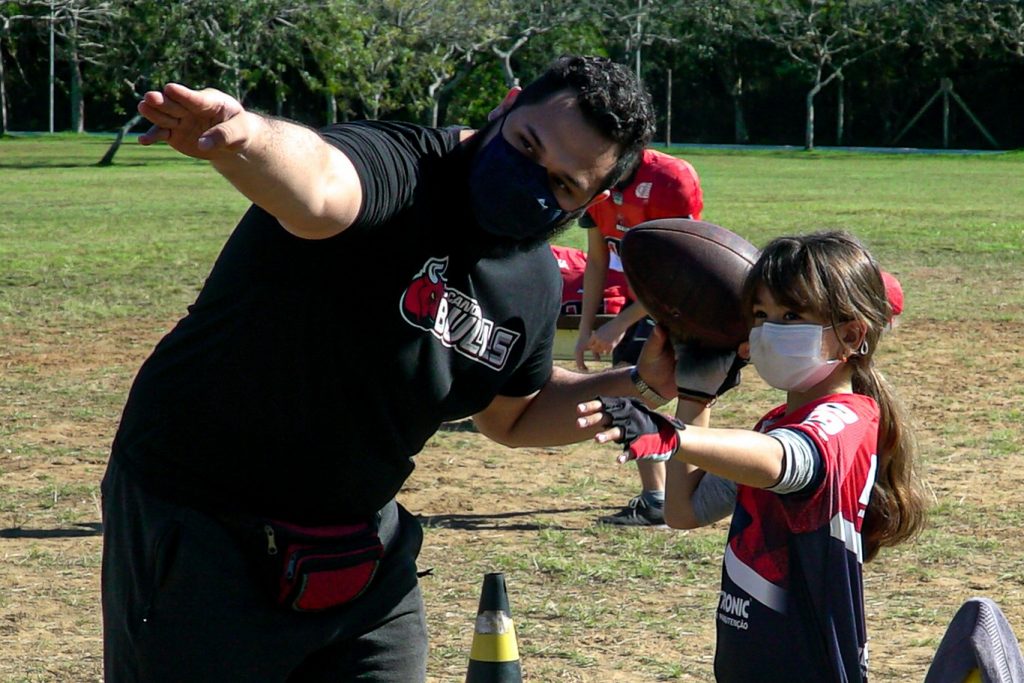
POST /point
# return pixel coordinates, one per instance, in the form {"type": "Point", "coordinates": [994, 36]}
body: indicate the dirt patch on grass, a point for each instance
{"type": "Point", "coordinates": [590, 604]}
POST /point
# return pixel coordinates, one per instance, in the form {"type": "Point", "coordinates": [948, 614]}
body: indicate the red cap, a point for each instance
{"type": "Point", "coordinates": [893, 292]}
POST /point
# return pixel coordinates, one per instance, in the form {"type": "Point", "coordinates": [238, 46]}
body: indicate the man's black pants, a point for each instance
{"type": "Point", "coordinates": [183, 600]}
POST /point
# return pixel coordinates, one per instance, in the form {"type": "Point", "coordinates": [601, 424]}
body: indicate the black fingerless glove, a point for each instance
{"type": "Point", "coordinates": [646, 434]}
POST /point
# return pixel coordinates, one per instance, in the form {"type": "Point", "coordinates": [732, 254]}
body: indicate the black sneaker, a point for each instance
{"type": "Point", "coordinates": [637, 513]}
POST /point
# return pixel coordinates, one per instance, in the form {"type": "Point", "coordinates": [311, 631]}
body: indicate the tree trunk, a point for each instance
{"type": "Point", "coordinates": [668, 109]}
{"type": "Point", "coordinates": [444, 93]}
{"type": "Point", "coordinates": [809, 129]}
{"type": "Point", "coordinates": [77, 100]}
{"type": "Point", "coordinates": [434, 94]}
{"type": "Point", "coordinates": [739, 121]}
{"type": "Point", "coordinates": [108, 158]}
{"type": "Point", "coordinates": [840, 110]}
{"type": "Point", "coordinates": [3, 91]}
{"type": "Point", "coordinates": [732, 80]}
{"type": "Point", "coordinates": [332, 108]}
{"type": "Point", "coordinates": [506, 68]}
{"type": "Point", "coordinates": [506, 60]}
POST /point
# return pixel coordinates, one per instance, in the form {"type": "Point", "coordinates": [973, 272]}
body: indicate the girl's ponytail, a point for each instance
{"type": "Point", "coordinates": [896, 509]}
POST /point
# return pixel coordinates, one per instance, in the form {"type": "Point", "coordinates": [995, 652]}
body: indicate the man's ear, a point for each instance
{"type": "Point", "coordinates": [506, 104]}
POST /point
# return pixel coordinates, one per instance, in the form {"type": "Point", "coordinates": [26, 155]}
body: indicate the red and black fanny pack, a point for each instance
{"type": "Point", "coordinates": [320, 567]}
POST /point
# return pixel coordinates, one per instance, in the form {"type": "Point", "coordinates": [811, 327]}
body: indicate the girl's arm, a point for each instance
{"type": "Point", "coordinates": [741, 455]}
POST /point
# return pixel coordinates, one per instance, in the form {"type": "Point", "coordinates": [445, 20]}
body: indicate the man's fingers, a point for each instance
{"type": "Point", "coordinates": [588, 408]}
{"type": "Point", "coordinates": [158, 116]}
{"type": "Point", "coordinates": [153, 135]}
{"type": "Point", "coordinates": [203, 102]}
{"type": "Point", "coordinates": [608, 435]}
{"type": "Point", "coordinates": [155, 100]}
{"type": "Point", "coordinates": [223, 135]}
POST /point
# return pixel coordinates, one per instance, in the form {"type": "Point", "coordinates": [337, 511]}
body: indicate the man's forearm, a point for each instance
{"type": "Point", "coordinates": [550, 418]}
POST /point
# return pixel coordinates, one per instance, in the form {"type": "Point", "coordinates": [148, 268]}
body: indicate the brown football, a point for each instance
{"type": "Point", "coordinates": [689, 276]}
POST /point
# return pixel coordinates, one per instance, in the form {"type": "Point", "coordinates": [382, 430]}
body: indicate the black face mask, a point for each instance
{"type": "Point", "coordinates": [510, 194]}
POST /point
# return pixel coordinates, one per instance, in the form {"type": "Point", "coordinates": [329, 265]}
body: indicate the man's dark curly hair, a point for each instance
{"type": "Point", "coordinates": [611, 99]}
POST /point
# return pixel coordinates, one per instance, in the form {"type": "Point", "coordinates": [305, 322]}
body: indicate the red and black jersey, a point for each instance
{"type": "Point", "coordinates": [791, 606]}
{"type": "Point", "coordinates": [663, 186]}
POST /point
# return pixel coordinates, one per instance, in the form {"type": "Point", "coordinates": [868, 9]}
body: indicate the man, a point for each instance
{"type": "Point", "coordinates": [250, 528]}
{"type": "Point", "coordinates": [661, 186]}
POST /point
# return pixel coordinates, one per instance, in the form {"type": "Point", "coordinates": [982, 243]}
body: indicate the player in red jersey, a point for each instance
{"type": "Point", "coordinates": [662, 186]}
{"type": "Point", "coordinates": [822, 482]}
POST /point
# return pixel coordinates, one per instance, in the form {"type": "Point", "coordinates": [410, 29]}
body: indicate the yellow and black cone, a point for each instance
{"type": "Point", "coordinates": [495, 654]}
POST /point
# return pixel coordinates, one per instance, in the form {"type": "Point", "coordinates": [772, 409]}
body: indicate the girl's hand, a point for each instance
{"type": "Point", "coordinates": [644, 434]}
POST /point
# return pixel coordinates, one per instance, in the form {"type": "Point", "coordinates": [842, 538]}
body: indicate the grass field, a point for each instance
{"type": "Point", "coordinates": [96, 265]}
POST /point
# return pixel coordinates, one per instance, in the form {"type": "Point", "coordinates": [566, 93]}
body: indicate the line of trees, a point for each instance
{"type": "Point", "coordinates": [745, 71]}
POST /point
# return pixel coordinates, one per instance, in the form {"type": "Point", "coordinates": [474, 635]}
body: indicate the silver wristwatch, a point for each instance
{"type": "Point", "coordinates": [644, 389]}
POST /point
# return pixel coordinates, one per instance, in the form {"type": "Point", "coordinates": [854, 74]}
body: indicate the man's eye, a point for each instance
{"type": "Point", "coordinates": [526, 144]}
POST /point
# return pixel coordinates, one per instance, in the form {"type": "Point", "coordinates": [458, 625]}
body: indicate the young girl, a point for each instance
{"type": "Point", "coordinates": [822, 482]}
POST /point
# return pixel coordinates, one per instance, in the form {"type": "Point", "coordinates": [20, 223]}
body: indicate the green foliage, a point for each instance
{"type": "Point", "coordinates": [481, 90]}
{"type": "Point", "coordinates": [414, 60]}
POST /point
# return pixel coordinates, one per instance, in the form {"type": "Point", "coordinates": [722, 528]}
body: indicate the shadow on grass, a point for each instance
{"type": "Point", "coordinates": [83, 529]}
{"type": "Point", "coordinates": [35, 166]}
{"type": "Point", "coordinates": [25, 165]}
{"type": "Point", "coordinates": [459, 426]}
{"type": "Point", "coordinates": [495, 521]}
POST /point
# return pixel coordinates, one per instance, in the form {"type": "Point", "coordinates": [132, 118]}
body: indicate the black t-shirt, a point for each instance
{"type": "Point", "coordinates": [308, 373]}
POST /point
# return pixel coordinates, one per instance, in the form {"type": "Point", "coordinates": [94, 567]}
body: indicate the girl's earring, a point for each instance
{"type": "Point", "coordinates": [863, 350]}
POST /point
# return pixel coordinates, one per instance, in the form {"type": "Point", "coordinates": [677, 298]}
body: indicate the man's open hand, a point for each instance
{"type": "Point", "coordinates": [197, 123]}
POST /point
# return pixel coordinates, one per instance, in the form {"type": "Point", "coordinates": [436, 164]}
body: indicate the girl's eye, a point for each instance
{"type": "Point", "coordinates": [791, 316]}
{"type": "Point", "coordinates": [760, 315]}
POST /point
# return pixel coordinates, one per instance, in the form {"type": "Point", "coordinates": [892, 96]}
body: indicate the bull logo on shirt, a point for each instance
{"type": "Point", "coordinates": [423, 297]}
{"type": "Point", "coordinates": [455, 318]}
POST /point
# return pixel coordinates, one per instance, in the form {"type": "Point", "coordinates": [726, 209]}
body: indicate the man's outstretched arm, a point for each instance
{"type": "Point", "coordinates": [309, 185]}
{"type": "Point", "coordinates": [548, 417]}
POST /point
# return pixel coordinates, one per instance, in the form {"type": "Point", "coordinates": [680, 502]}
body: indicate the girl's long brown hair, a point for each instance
{"type": "Point", "coordinates": [832, 275]}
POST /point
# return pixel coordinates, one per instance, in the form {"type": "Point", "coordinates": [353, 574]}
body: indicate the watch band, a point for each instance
{"type": "Point", "coordinates": [644, 389]}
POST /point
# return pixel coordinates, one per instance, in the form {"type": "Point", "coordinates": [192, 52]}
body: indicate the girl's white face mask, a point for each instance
{"type": "Point", "coordinates": [788, 357]}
